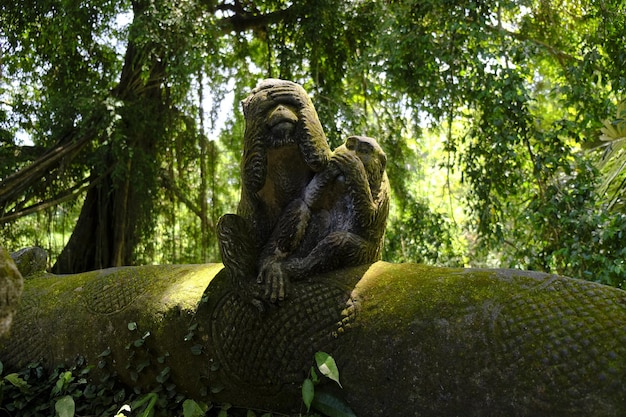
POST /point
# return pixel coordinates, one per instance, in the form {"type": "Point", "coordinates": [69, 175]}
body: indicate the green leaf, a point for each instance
{"type": "Point", "coordinates": [132, 326]}
{"type": "Point", "coordinates": [163, 375]}
{"type": "Point", "coordinates": [64, 379]}
{"type": "Point", "coordinates": [314, 376]}
{"type": "Point", "coordinates": [16, 381]}
{"type": "Point", "coordinates": [150, 399]}
{"type": "Point", "coordinates": [194, 409]}
{"type": "Point", "coordinates": [331, 406]}
{"type": "Point", "coordinates": [217, 388]}
{"type": "Point", "coordinates": [308, 392]}
{"type": "Point", "coordinates": [327, 366]}
{"type": "Point", "coordinates": [250, 413]}
{"type": "Point", "coordinates": [105, 353]}
{"type": "Point", "coordinates": [119, 396]}
{"type": "Point", "coordinates": [196, 350]}
{"type": "Point", "coordinates": [224, 410]}
{"type": "Point", "coordinates": [65, 406]}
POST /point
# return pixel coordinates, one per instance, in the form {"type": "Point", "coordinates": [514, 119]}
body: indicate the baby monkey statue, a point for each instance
{"type": "Point", "coordinates": [339, 221]}
{"type": "Point", "coordinates": [303, 209]}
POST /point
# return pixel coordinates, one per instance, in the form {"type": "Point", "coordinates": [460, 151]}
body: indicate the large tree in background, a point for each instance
{"type": "Point", "coordinates": [516, 91]}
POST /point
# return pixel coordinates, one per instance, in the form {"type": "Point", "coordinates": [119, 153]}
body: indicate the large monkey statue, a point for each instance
{"type": "Point", "coordinates": [339, 222]}
{"type": "Point", "coordinates": [284, 146]}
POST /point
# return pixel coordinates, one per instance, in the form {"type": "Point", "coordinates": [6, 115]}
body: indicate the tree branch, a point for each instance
{"type": "Point", "coordinates": [243, 21]}
{"type": "Point", "coordinates": [15, 184]}
{"type": "Point", "coordinates": [68, 195]}
{"type": "Point", "coordinates": [168, 182]}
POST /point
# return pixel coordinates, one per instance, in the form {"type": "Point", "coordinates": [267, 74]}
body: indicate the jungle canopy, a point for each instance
{"type": "Point", "coordinates": [120, 125]}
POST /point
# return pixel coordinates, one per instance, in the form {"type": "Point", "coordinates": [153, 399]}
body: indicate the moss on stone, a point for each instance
{"type": "Point", "coordinates": [11, 284]}
{"type": "Point", "coordinates": [408, 339]}
{"type": "Point", "coordinates": [485, 342]}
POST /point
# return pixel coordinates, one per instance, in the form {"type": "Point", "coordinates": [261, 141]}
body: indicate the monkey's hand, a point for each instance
{"type": "Point", "coordinates": [288, 94]}
{"type": "Point", "coordinates": [357, 186]}
{"type": "Point", "coordinates": [275, 281]}
{"type": "Point", "coordinates": [312, 140]}
{"type": "Point", "coordinates": [353, 170]}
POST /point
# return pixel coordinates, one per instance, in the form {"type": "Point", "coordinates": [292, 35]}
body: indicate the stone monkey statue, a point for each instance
{"type": "Point", "coordinates": [339, 221]}
{"type": "Point", "coordinates": [284, 147]}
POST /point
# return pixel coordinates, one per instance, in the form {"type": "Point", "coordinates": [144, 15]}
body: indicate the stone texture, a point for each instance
{"type": "Point", "coordinates": [30, 261]}
{"type": "Point", "coordinates": [11, 284]}
{"type": "Point", "coordinates": [409, 340]}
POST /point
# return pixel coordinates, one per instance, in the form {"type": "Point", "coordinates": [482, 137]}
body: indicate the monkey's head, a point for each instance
{"type": "Point", "coordinates": [270, 118]}
{"type": "Point", "coordinates": [373, 158]}
{"type": "Point", "coordinates": [281, 125]}
{"type": "Point", "coordinates": [281, 113]}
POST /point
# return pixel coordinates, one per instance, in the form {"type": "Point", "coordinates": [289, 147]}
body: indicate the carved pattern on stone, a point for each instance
{"type": "Point", "coordinates": [591, 320]}
{"type": "Point", "coordinates": [111, 293]}
{"type": "Point", "coordinates": [266, 349]}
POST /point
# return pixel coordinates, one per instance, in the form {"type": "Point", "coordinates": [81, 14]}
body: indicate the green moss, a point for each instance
{"type": "Point", "coordinates": [96, 307]}
{"type": "Point", "coordinates": [397, 293]}
{"type": "Point", "coordinates": [437, 340]}
{"type": "Point", "coordinates": [455, 341]}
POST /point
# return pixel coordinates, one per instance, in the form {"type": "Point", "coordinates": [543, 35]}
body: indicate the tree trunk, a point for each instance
{"type": "Point", "coordinates": [89, 246]}
{"type": "Point", "coordinates": [117, 212]}
{"type": "Point", "coordinates": [203, 197]}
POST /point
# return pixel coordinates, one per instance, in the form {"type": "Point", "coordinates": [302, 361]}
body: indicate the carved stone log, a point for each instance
{"type": "Point", "coordinates": [409, 340]}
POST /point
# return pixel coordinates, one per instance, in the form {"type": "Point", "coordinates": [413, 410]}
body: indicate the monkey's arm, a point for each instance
{"type": "Point", "coordinates": [290, 230]}
{"type": "Point", "coordinates": [238, 249]}
{"type": "Point", "coordinates": [286, 236]}
{"type": "Point", "coordinates": [253, 165]}
{"type": "Point", "coordinates": [318, 194]}
{"type": "Point", "coordinates": [338, 249]}
{"type": "Point", "coordinates": [357, 185]}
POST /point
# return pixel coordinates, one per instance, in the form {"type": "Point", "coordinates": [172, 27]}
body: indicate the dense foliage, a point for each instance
{"type": "Point", "coordinates": [120, 144]}
{"type": "Point", "coordinates": [68, 392]}
{"type": "Point", "coordinates": [80, 389]}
